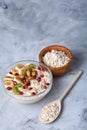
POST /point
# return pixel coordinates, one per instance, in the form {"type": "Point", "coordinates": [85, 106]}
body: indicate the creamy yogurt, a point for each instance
{"type": "Point", "coordinates": [27, 80]}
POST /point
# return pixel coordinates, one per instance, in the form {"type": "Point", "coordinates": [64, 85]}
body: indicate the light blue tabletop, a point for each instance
{"type": "Point", "coordinates": [27, 26]}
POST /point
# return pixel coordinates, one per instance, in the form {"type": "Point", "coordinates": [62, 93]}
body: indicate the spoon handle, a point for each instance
{"type": "Point", "coordinates": [77, 76]}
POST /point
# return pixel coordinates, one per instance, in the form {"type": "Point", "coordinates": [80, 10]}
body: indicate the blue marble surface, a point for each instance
{"type": "Point", "coordinates": [27, 26]}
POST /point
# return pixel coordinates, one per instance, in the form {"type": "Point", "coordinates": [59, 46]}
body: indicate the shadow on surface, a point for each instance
{"type": "Point", "coordinates": [78, 60]}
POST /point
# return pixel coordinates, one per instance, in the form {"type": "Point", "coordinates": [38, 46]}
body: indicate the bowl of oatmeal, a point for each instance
{"type": "Point", "coordinates": [57, 58]}
{"type": "Point", "coordinates": [27, 81]}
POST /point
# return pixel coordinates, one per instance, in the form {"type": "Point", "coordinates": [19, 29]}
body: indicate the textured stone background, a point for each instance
{"type": "Point", "coordinates": [27, 26]}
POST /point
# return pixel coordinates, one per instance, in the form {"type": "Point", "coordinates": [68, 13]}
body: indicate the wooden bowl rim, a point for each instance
{"type": "Point", "coordinates": [55, 68]}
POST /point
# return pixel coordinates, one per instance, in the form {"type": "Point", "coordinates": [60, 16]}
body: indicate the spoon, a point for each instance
{"type": "Point", "coordinates": [52, 110]}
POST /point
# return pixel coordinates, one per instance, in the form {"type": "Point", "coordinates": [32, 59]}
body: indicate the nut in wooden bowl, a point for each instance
{"type": "Point", "coordinates": [61, 59]}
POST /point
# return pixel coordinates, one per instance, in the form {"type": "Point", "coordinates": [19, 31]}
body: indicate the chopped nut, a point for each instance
{"type": "Point", "coordinates": [21, 76]}
{"type": "Point", "coordinates": [27, 80]}
{"type": "Point", "coordinates": [31, 77]}
{"type": "Point", "coordinates": [28, 73]}
{"type": "Point", "coordinates": [34, 73]}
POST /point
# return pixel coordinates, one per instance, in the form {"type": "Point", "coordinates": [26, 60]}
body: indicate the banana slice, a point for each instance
{"type": "Point", "coordinates": [27, 64]}
{"type": "Point", "coordinates": [10, 75]}
{"type": "Point", "coordinates": [19, 66]}
{"type": "Point", "coordinates": [8, 78]}
{"type": "Point", "coordinates": [14, 70]}
{"type": "Point", "coordinates": [18, 80]}
{"type": "Point", "coordinates": [8, 82]}
{"type": "Point", "coordinates": [22, 71]}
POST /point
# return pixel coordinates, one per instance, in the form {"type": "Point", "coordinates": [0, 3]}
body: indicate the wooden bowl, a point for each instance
{"type": "Point", "coordinates": [60, 70]}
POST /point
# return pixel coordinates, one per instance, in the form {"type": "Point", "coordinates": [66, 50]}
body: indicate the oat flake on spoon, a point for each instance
{"type": "Point", "coordinates": [51, 111]}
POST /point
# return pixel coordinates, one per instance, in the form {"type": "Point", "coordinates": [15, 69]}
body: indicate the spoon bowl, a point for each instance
{"type": "Point", "coordinates": [54, 109]}
{"type": "Point", "coordinates": [51, 111]}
